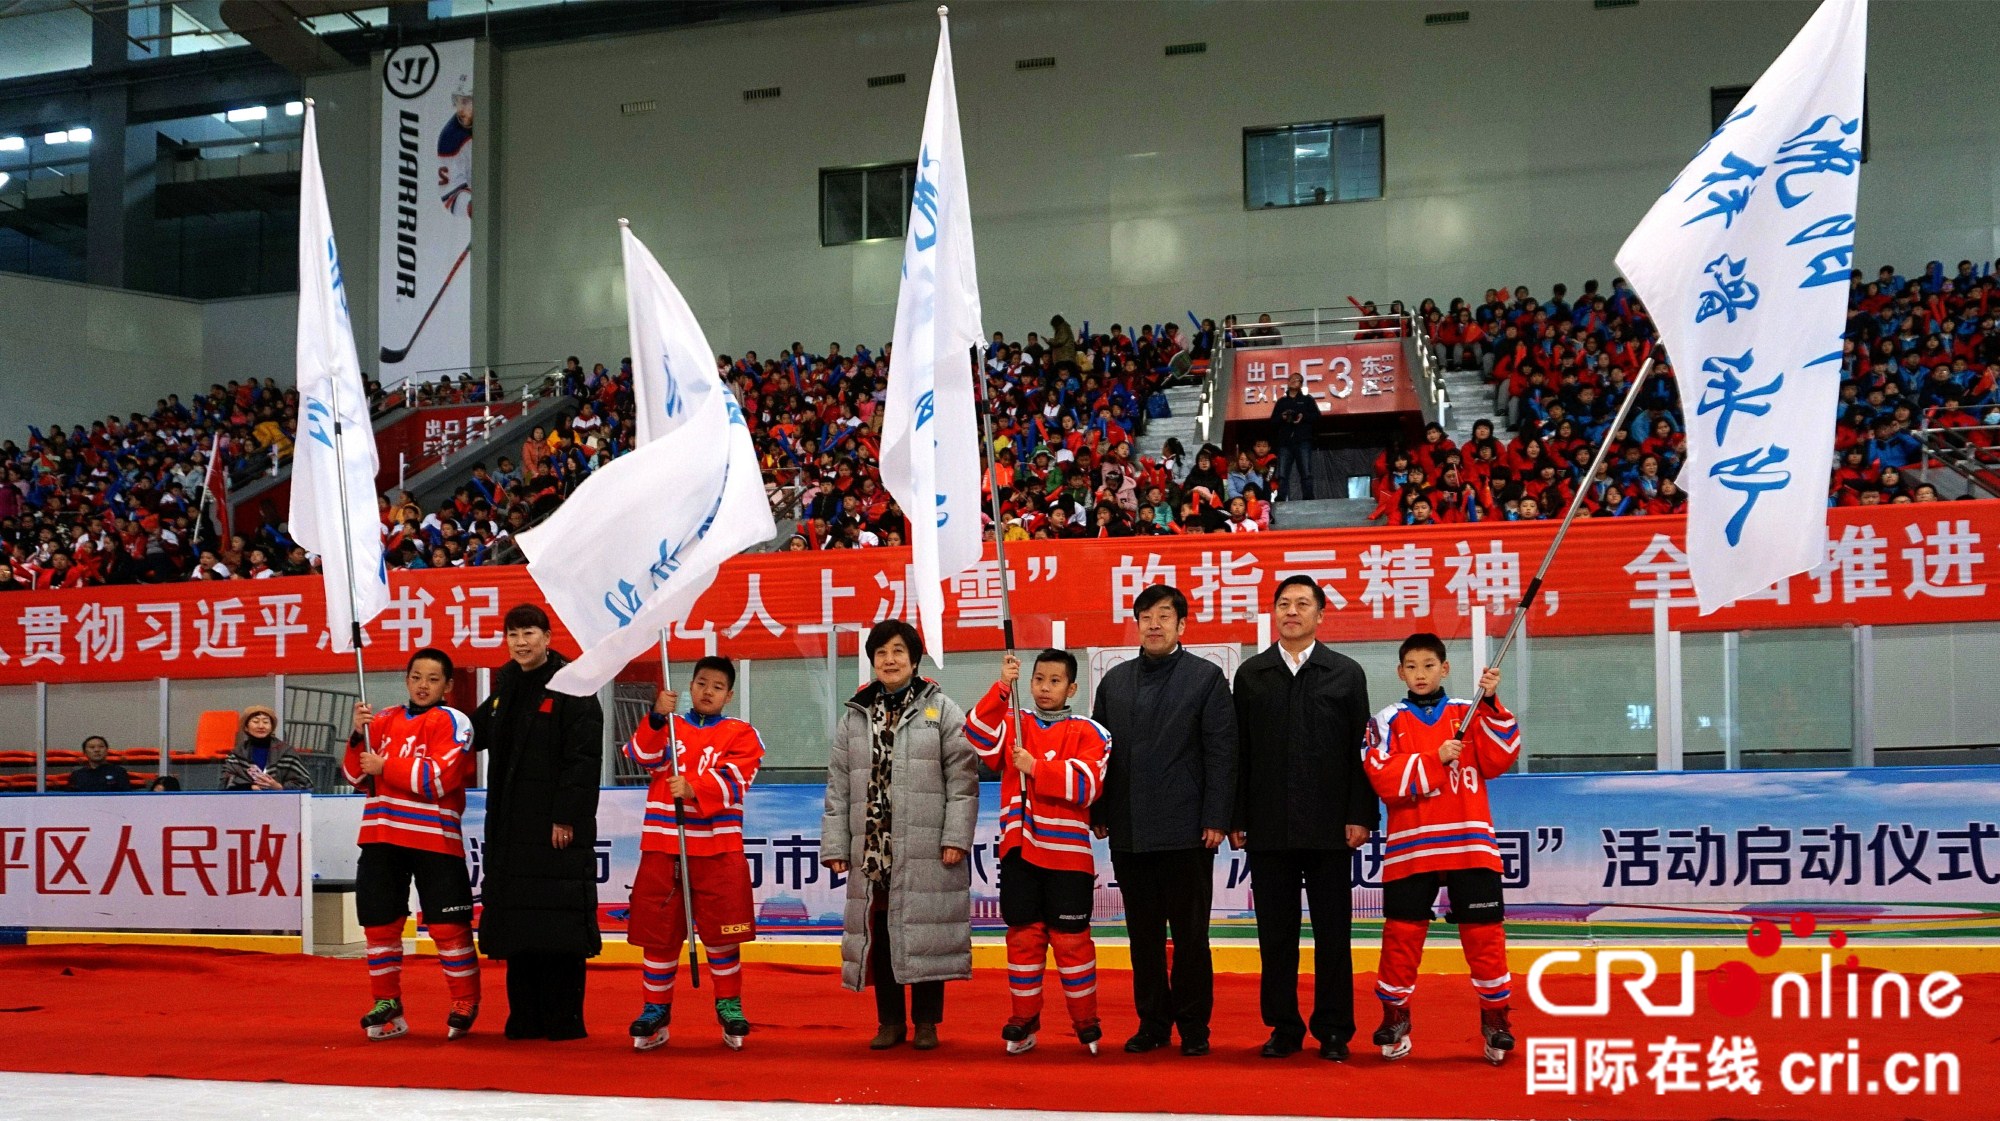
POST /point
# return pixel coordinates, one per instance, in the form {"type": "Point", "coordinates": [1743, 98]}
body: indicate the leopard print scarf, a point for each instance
{"type": "Point", "coordinates": [884, 716]}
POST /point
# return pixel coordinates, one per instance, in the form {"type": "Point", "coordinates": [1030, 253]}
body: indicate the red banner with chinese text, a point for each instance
{"type": "Point", "coordinates": [1346, 378]}
{"type": "Point", "coordinates": [1887, 565]}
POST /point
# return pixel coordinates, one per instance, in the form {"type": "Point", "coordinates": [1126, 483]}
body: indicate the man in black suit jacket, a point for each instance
{"type": "Point", "coordinates": [1303, 805]}
{"type": "Point", "coordinates": [1169, 792]}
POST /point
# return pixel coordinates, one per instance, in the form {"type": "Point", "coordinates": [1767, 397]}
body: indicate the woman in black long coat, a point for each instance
{"type": "Point", "coordinates": [539, 865]}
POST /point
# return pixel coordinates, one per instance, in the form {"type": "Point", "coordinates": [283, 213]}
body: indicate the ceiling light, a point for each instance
{"type": "Point", "coordinates": [253, 113]}
{"type": "Point", "coordinates": [56, 138]}
{"type": "Point", "coordinates": [4, 177]}
{"type": "Point", "coordinates": [79, 136]}
{"type": "Point", "coordinates": [12, 144]}
{"type": "Point", "coordinates": [294, 108]}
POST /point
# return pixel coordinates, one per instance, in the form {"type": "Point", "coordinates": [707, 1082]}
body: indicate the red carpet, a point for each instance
{"type": "Point", "coordinates": [259, 1017]}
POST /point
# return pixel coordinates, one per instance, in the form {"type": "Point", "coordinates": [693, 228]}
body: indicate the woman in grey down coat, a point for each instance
{"type": "Point", "coordinates": [902, 800]}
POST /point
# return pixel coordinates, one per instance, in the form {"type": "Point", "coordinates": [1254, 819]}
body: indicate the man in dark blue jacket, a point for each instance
{"type": "Point", "coordinates": [98, 775]}
{"type": "Point", "coordinates": [1169, 794]}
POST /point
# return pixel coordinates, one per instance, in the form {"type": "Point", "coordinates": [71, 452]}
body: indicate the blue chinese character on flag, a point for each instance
{"type": "Point", "coordinates": [1820, 148]}
{"type": "Point", "coordinates": [1733, 293]}
{"type": "Point", "coordinates": [1752, 474]}
{"type": "Point", "coordinates": [1732, 397]}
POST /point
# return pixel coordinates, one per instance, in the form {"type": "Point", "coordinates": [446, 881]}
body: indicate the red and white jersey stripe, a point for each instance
{"type": "Point", "coordinates": [418, 798]}
{"type": "Point", "coordinates": [1047, 817]}
{"type": "Point", "coordinates": [719, 756]}
{"type": "Point", "coordinates": [1438, 814]}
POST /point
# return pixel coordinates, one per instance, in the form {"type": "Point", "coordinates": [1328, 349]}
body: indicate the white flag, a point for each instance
{"type": "Point", "coordinates": [337, 437]}
{"type": "Point", "coordinates": [630, 552]}
{"type": "Point", "coordinates": [1743, 264]}
{"type": "Point", "coordinates": [930, 433]}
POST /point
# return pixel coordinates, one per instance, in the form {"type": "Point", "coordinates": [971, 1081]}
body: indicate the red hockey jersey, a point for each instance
{"type": "Point", "coordinates": [418, 798]}
{"type": "Point", "coordinates": [719, 756]}
{"type": "Point", "coordinates": [1049, 821]}
{"type": "Point", "coordinates": [1438, 819]}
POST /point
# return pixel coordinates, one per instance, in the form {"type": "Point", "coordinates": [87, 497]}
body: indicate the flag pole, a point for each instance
{"type": "Point", "coordinates": [680, 822]}
{"type": "Point", "coordinates": [201, 511]}
{"type": "Point", "coordinates": [347, 547]}
{"type": "Point", "coordinates": [999, 542]}
{"type": "Point", "coordinates": [1534, 588]}
{"type": "Point", "coordinates": [347, 527]}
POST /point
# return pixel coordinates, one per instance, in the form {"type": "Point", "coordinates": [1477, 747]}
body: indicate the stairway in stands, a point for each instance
{"type": "Point", "coordinates": [1185, 401]}
{"type": "Point", "coordinates": [1321, 513]}
{"type": "Point", "coordinates": [1471, 398]}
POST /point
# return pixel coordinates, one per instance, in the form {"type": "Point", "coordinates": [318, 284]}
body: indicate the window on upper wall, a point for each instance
{"type": "Point", "coordinates": [864, 203]}
{"type": "Point", "coordinates": [1312, 163]}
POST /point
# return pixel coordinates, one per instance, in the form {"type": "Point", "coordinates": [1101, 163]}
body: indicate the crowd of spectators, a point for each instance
{"type": "Point", "coordinates": [1920, 352]}
{"type": "Point", "coordinates": [119, 502]}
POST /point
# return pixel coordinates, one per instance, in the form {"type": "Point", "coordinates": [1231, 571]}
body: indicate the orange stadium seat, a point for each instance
{"type": "Point", "coordinates": [59, 757]}
{"type": "Point", "coordinates": [17, 758]}
{"type": "Point", "coordinates": [136, 755]}
{"type": "Point", "coordinates": [214, 736]}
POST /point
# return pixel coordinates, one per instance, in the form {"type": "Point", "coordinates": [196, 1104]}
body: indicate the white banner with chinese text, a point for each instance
{"type": "Point", "coordinates": [153, 861]}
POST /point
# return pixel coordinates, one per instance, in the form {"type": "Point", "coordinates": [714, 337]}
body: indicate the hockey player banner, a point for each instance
{"type": "Point", "coordinates": [424, 276]}
{"type": "Point", "coordinates": [1885, 566]}
{"type": "Point", "coordinates": [639, 542]}
{"type": "Point", "coordinates": [1894, 850]}
{"type": "Point", "coordinates": [1345, 378]}
{"type": "Point", "coordinates": [172, 862]}
{"type": "Point", "coordinates": [1744, 264]}
{"type": "Point", "coordinates": [930, 434]}
{"type": "Point", "coordinates": [334, 511]}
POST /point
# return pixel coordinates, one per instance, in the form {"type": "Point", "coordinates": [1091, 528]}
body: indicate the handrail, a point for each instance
{"type": "Point", "coordinates": [1430, 386]}
{"type": "Point", "coordinates": [1979, 467]}
{"type": "Point", "coordinates": [1316, 325]}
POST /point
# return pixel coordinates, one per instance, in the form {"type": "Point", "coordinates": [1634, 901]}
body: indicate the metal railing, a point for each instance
{"type": "Point", "coordinates": [519, 382]}
{"type": "Point", "coordinates": [1430, 380]}
{"type": "Point", "coordinates": [1311, 326]}
{"type": "Point", "coordinates": [1952, 447]}
{"type": "Point", "coordinates": [630, 702]}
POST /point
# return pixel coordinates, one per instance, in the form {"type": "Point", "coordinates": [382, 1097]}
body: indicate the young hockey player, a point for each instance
{"type": "Point", "coordinates": [1047, 874]}
{"type": "Point", "coordinates": [413, 763]}
{"type": "Point", "coordinates": [1440, 836]}
{"type": "Point", "coordinates": [718, 759]}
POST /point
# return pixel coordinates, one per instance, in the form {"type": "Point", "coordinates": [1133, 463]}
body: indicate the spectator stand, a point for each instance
{"type": "Point", "coordinates": [446, 422]}
{"type": "Point", "coordinates": [1374, 381]}
{"type": "Point", "coordinates": [1918, 417]}
{"type": "Point", "coordinates": [313, 719]}
{"type": "Point", "coordinates": [454, 447]}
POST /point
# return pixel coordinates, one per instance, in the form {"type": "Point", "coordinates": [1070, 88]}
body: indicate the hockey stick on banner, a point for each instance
{"type": "Point", "coordinates": [1534, 589]}
{"type": "Point", "coordinates": [392, 357]}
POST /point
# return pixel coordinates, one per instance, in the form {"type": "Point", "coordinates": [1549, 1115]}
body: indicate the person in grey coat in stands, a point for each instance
{"type": "Point", "coordinates": [1169, 795]}
{"type": "Point", "coordinates": [902, 800]}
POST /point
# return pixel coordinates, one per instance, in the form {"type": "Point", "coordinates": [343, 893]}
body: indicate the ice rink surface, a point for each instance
{"type": "Point", "coordinates": [79, 1097]}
